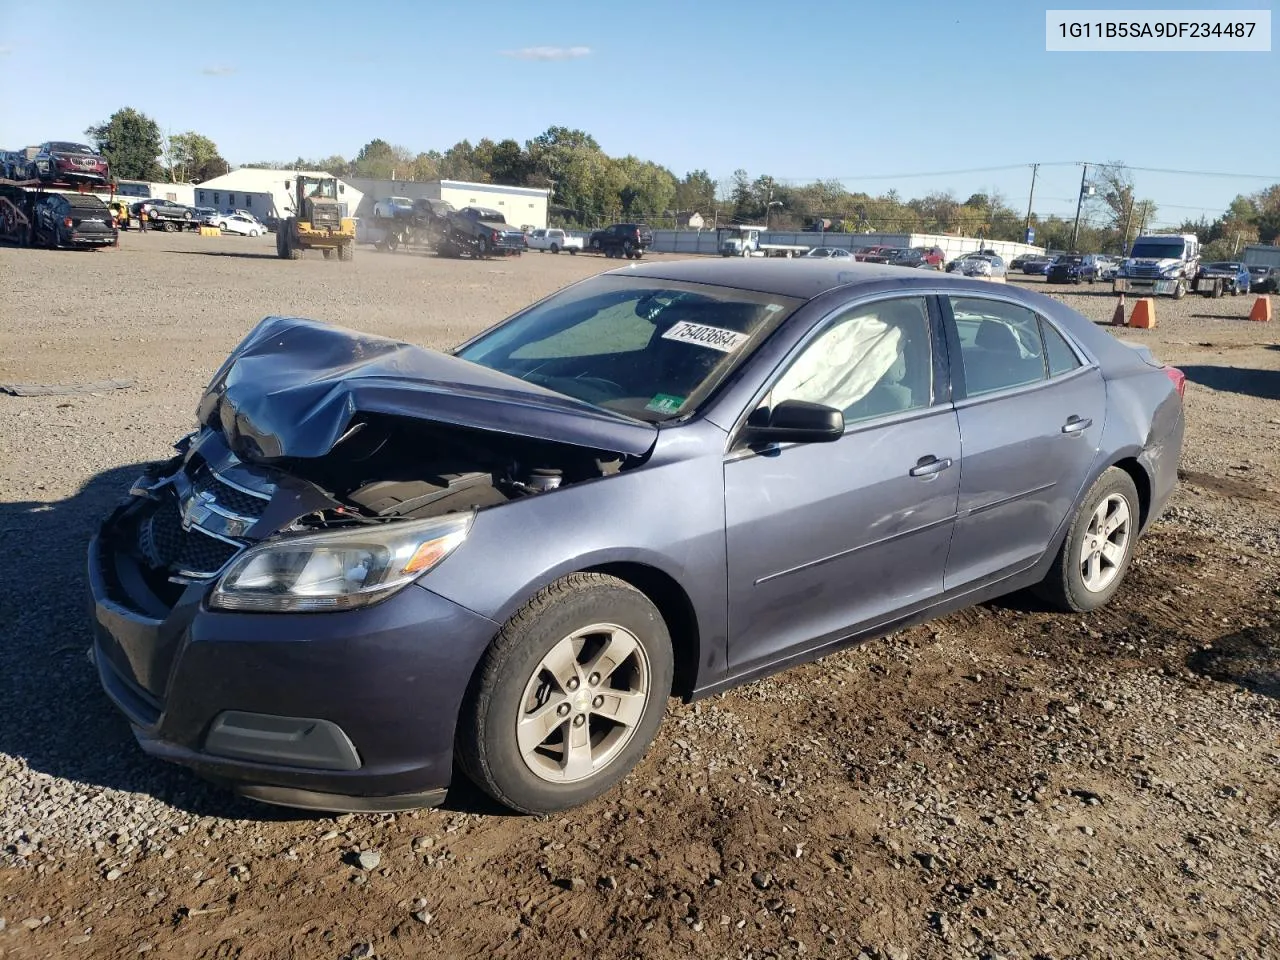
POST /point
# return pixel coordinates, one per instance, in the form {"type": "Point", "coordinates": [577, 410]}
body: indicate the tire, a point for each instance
{"type": "Point", "coordinates": [580, 614]}
{"type": "Point", "coordinates": [347, 252]}
{"type": "Point", "coordinates": [327, 253]}
{"type": "Point", "coordinates": [595, 245]}
{"type": "Point", "coordinates": [555, 248]}
{"type": "Point", "coordinates": [1217, 291]}
{"type": "Point", "coordinates": [573, 251]}
{"type": "Point", "coordinates": [1180, 290]}
{"type": "Point", "coordinates": [280, 247]}
{"type": "Point", "coordinates": [186, 215]}
{"type": "Point", "coordinates": [1067, 586]}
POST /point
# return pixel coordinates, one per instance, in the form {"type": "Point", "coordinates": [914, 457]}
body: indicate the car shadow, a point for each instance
{"type": "Point", "coordinates": [1249, 658]}
{"type": "Point", "coordinates": [58, 721]}
{"type": "Point", "coordinates": [223, 253]}
{"type": "Point", "coordinates": [1263, 384]}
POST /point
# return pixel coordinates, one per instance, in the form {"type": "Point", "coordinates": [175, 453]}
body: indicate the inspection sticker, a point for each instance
{"type": "Point", "coordinates": [717, 338]}
{"type": "Point", "coordinates": [665, 403]}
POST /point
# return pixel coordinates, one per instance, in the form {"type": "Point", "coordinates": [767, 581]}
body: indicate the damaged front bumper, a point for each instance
{"type": "Point", "coordinates": [343, 711]}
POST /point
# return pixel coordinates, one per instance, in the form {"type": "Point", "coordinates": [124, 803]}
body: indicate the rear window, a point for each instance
{"type": "Point", "coordinates": [86, 202]}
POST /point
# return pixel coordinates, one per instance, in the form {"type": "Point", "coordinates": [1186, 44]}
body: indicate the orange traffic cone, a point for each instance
{"type": "Point", "coordinates": [1117, 318]}
{"type": "Point", "coordinates": [1261, 312]}
{"type": "Point", "coordinates": [1144, 314]}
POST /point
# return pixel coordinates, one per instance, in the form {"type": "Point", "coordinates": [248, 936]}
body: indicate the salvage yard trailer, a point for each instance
{"type": "Point", "coordinates": [744, 241]}
{"type": "Point", "coordinates": [18, 199]}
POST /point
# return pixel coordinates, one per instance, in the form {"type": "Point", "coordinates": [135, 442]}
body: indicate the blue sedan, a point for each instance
{"type": "Point", "coordinates": [372, 564]}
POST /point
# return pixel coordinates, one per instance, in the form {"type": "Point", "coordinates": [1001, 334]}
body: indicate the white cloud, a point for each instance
{"type": "Point", "coordinates": [218, 71]}
{"type": "Point", "coordinates": [548, 53]}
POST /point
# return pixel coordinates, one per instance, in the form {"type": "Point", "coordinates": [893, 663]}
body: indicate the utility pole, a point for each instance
{"type": "Point", "coordinates": [1075, 231]}
{"type": "Point", "coordinates": [1031, 196]}
{"type": "Point", "coordinates": [1124, 247]}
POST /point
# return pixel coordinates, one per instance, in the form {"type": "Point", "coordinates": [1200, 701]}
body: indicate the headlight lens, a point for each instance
{"type": "Point", "coordinates": [337, 571]}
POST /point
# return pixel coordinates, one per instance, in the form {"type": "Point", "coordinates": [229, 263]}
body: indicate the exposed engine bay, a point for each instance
{"type": "Point", "coordinates": [207, 505]}
{"type": "Point", "coordinates": [308, 428]}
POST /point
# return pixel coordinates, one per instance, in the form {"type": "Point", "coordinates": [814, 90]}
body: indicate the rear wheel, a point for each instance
{"type": "Point", "coordinates": [347, 252]}
{"type": "Point", "coordinates": [1098, 547]}
{"type": "Point", "coordinates": [568, 696]}
{"type": "Point", "coordinates": [327, 253]}
{"type": "Point", "coordinates": [555, 248]}
{"type": "Point", "coordinates": [1180, 290]}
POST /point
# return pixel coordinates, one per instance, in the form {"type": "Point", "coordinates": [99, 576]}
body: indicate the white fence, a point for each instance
{"type": "Point", "coordinates": [707, 242]}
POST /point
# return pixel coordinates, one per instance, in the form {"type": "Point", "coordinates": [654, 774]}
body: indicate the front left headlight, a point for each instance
{"type": "Point", "coordinates": [337, 571]}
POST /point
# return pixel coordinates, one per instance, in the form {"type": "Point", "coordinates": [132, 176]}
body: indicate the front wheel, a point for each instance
{"type": "Point", "coordinates": [568, 696]}
{"type": "Point", "coordinates": [1098, 548]}
{"type": "Point", "coordinates": [1180, 290]}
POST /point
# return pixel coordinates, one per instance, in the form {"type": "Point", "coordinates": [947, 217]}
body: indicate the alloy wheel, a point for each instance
{"type": "Point", "coordinates": [1106, 543]}
{"type": "Point", "coordinates": [583, 703]}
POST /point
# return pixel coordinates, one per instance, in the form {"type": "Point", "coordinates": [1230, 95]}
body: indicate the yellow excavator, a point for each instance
{"type": "Point", "coordinates": [317, 222]}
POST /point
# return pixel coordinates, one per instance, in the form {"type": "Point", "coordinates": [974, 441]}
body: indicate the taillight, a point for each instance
{"type": "Point", "coordinates": [66, 222]}
{"type": "Point", "coordinates": [1178, 377]}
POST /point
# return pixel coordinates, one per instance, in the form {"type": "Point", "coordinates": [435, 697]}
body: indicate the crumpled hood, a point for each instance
{"type": "Point", "coordinates": [293, 387]}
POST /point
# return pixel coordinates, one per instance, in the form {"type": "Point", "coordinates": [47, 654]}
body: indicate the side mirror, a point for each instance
{"type": "Point", "coordinates": [795, 421]}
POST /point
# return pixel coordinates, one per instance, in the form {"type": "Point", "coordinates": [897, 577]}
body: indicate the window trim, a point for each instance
{"type": "Point", "coordinates": [959, 386]}
{"type": "Point", "coordinates": [734, 448]}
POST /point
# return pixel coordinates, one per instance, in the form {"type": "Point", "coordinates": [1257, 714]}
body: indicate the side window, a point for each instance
{"type": "Point", "coordinates": [1061, 357]}
{"type": "Point", "coordinates": [870, 362]}
{"type": "Point", "coordinates": [999, 344]}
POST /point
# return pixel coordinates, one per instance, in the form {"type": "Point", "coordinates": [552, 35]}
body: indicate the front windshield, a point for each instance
{"type": "Point", "coordinates": [1157, 249]}
{"type": "Point", "coordinates": [649, 349]}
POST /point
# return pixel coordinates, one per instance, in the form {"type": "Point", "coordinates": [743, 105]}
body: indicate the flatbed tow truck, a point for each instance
{"type": "Point", "coordinates": [18, 199]}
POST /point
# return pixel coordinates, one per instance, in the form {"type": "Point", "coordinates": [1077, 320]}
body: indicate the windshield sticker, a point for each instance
{"type": "Point", "coordinates": [717, 338]}
{"type": "Point", "coordinates": [665, 403]}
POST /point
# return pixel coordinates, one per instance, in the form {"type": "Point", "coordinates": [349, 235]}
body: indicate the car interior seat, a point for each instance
{"type": "Point", "coordinates": [905, 384]}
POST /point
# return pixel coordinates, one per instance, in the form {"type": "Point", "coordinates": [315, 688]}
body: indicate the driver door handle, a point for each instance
{"type": "Point", "coordinates": [930, 465]}
{"type": "Point", "coordinates": [1076, 424]}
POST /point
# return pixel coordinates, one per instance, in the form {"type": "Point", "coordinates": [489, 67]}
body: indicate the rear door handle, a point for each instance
{"type": "Point", "coordinates": [930, 465]}
{"type": "Point", "coordinates": [1076, 424]}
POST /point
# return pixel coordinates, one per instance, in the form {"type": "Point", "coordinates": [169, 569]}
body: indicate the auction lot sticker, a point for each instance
{"type": "Point", "coordinates": [717, 338]}
{"type": "Point", "coordinates": [1158, 31]}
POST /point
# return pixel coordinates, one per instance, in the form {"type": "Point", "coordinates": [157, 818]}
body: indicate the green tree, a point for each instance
{"type": "Point", "coordinates": [130, 141]}
{"type": "Point", "coordinates": [192, 156]}
{"type": "Point", "coordinates": [509, 164]}
{"type": "Point", "coordinates": [695, 193]}
{"type": "Point", "coordinates": [462, 161]}
{"type": "Point", "coordinates": [379, 160]}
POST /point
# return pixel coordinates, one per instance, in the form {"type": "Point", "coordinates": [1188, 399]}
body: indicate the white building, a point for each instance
{"type": "Point", "coordinates": [519, 206]}
{"type": "Point", "coordinates": [265, 193]}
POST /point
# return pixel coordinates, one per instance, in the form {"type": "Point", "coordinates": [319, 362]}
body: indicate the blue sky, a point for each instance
{"type": "Point", "coordinates": [849, 90]}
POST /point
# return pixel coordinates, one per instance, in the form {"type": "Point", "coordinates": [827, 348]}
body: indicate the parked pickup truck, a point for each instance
{"type": "Point", "coordinates": [479, 232]}
{"type": "Point", "coordinates": [555, 240]}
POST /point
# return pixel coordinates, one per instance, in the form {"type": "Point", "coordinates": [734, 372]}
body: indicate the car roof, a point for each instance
{"type": "Point", "coordinates": [802, 278]}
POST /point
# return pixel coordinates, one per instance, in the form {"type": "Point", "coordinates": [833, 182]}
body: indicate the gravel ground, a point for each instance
{"type": "Point", "coordinates": [1003, 782]}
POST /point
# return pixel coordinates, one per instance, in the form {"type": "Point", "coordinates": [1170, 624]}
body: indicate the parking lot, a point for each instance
{"type": "Point", "coordinates": [1003, 782]}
